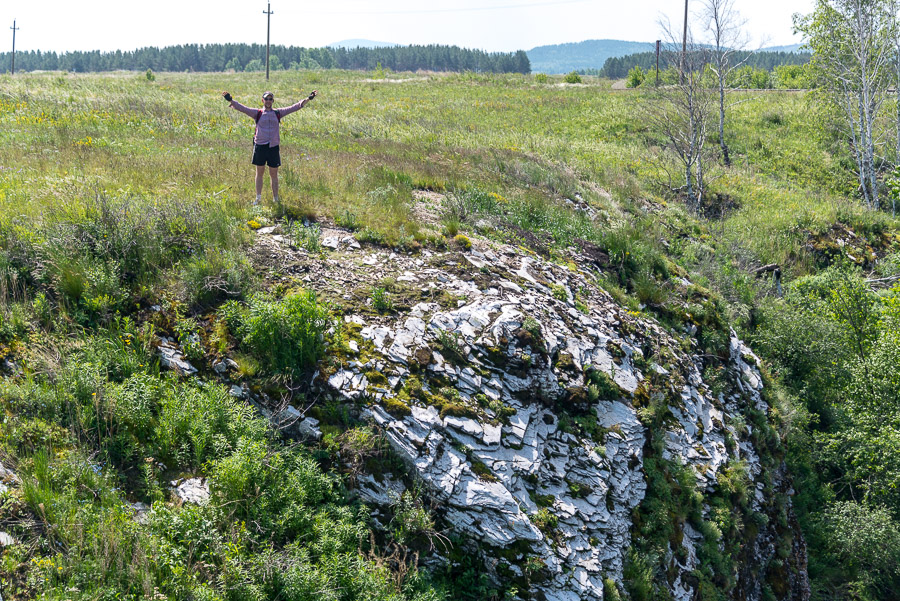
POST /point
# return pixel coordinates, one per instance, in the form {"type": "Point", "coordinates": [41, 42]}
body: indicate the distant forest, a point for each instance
{"type": "Point", "coordinates": [617, 68]}
{"type": "Point", "coordinates": [252, 57]}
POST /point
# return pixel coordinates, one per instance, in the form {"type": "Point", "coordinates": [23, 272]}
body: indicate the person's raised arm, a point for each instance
{"type": "Point", "coordinates": [238, 106]}
{"type": "Point", "coordinates": [299, 105]}
{"type": "Point", "coordinates": [311, 96]}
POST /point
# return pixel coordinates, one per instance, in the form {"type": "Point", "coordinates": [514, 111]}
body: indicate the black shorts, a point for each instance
{"type": "Point", "coordinates": [263, 154]}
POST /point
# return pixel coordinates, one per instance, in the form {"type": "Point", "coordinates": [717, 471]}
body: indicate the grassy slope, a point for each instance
{"type": "Point", "coordinates": [172, 160]}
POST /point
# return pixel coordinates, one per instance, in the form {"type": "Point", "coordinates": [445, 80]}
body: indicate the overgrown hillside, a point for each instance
{"type": "Point", "coordinates": [477, 351]}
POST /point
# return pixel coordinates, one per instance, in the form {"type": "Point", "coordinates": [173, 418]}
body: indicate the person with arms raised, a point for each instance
{"type": "Point", "coordinates": [267, 138]}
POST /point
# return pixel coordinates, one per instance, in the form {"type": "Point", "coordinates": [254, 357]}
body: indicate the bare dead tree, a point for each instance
{"type": "Point", "coordinates": [727, 35]}
{"type": "Point", "coordinates": [681, 114]}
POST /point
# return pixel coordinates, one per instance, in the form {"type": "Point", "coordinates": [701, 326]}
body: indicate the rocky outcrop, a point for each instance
{"type": "Point", "coordinates": [512, 387]}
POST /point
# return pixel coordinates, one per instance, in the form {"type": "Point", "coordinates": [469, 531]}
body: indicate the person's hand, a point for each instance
{"type": "Point", "coordinates": [313, 94]}
{"type": "Point", "coordinates": [226, 96]}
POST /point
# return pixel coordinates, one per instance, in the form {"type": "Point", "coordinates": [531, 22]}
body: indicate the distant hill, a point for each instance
{"type": "Point", "coordinates": [788, 48]}
{"type": "Point", "coordinates": [590, 54]}
{"type": "Point", "coordinates": [361, 44]}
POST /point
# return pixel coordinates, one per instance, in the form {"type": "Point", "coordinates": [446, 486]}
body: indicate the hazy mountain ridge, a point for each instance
{"type": "Point", "coordinates": [360, 43]}
{"type": "Point", "coordinates": [592, 54]}
{"type": "Point", "coordinates": [589, 54]}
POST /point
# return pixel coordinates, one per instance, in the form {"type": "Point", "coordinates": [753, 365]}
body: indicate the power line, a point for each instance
{"type": "Point", "coordinates": [445, 10]}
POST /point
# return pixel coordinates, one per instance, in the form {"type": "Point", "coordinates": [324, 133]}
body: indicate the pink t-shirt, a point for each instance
{"type": "Point", "coordinates": [267, 126]}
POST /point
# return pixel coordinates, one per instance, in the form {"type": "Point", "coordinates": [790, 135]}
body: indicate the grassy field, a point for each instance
{"type": "Point", "coordinates": [70, 137]}
{"type": "Point", "coordinates": [119, 192]}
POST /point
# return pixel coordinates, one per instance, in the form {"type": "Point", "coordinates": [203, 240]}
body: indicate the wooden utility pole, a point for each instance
{"type": "Point", "coordinates": [684, 42]}
{"type": "Point", "coordinates": [268, 14]}
{"type": "Point", "coordinates": [14, 28]}
{"type": "Point", "coordinates": [657, 63]}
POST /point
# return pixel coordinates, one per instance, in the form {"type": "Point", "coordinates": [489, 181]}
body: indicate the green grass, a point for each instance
{"type": "Point", "coordinates": [363, 145]}
{"type": "Point", "coordinates": [119, 194]}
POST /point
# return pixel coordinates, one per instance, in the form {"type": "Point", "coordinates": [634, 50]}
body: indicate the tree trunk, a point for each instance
{"type": "Point", "coordinates": [873, 175]}
{"type": "Point", "coordinates": [725, 157]}
{"type": "Point", "coordinates": [893, 7]}
{"type": "Point", "coordinates": [859, 141]}
{"type": "Point", "coordinates": [699, 181]}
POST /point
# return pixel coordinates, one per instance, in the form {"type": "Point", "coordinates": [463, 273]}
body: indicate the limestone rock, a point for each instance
{"type": "Point", "coordinates": [476, 373]}
{"type": "Point", "coordinates": [172, 358]}
{"type": "Point", "coordinates": [192, 490]}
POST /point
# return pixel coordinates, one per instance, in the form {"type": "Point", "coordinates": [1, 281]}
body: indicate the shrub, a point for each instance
{"type": "Point", "coordinates": [213, 276]}
{"type": "Point", "coordinates": [381, 300]}
{"type": "Point", "coordinates": [199, 423]}
{"type": "Point", "coordinates": [545, 521]}
{"type": "Point", "coordinates": [349, 220]}
{"type": "Point", "coordinates": [467, 204]}
{"type": "Point", "coordinates": [286, 495]}
{"type": "Point", "coordinates": [638, 576]}
{"type": "Point", "coordinates": [572, 77]}
{"type": "Point", "coordinates": [188, 332]}
{"type": "Point", "coordinates": [635, 77]}
{"type": "Point", "coordinates": [287, 335]}
{"type": "Point", "coordinates": [611, 590]}
{"type": "Point", "coordinates": [43, 311]}
{"type": "Point", "coordinates": [541, 78]}
{"type": "Point", "coordinates": [867, 538]}
{"type": "Point", "coordinates": [13, 322]}
{"type": "Point", "coordinates": [533, 327]}
{"type": "Point", "coordinates": [450, 344]}
{"type": "Point", "coordinates": [149, 75]}
{"type": "Point", "coordinates": [793, 76]}
{"type": "Point", "coordinates": [304, 236]}
{"type": "Point", "coordinates": [559, 292]}
{"type": "Point", "coordinates": [462, 241]}
{"type": "Point", "coordinates": [411, 519]}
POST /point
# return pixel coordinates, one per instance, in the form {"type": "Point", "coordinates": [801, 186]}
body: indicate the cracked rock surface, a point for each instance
{"type": "Point", "coordinates": [508, 343]}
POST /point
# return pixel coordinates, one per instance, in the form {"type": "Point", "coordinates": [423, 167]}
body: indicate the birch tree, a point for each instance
{"type": "Point", "coordinates": [893, 8]}
{"type": "Point", "coordinates": [681, 114]}
{"type": "Point", "coordinates": [727, 36]}
{"type": "Point", "coordinates": [852, 57]}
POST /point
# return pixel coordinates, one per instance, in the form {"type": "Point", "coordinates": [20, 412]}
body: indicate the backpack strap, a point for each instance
{"type": "Point", "coordinates": [259, 115]}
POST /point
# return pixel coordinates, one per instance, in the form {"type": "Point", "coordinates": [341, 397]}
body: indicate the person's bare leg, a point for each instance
{"type": "Point", "coordinates": [260, 171]}
{"type": "Point", "coordinates": [273, 175]}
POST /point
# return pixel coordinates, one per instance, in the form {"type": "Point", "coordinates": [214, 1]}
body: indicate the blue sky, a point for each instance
{"type": "Point", "coordinates": [493, 25]}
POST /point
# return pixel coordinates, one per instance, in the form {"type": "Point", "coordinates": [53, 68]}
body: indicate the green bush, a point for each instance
{"type": "Point", "coordinates": [793, 77]}
{"type": "Point", "coordinates": [466, 205]}
{"type": "Point", "coordinates": [188, 332]}
{"type": "Point", "coordinates": [307, 237]}
{"type": "Point", "coordinates": [572, 77]}
{"type": "Point", "coordinates": [13, 322]}
{"type": "Point", "coordinates": [636, 77]}
{"type": "Point", "coordinates": [381, 300]}
{"type": "Point", "coordinates": [286, 335]}
{"type": "Point", "coordinates": [412, 519]}
{"type": "Point", "coordinates": [638, 576]}
{"type": "Point", "coordinates": [559, 292]}
{"type": "Point", "coordinates": [213, 276]}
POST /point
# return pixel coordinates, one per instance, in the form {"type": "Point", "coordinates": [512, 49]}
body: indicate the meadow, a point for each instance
{"type": "Point", "coordinates": [124, 191]}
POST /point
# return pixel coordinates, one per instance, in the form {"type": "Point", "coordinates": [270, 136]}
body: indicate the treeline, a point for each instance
{"type": "Point", "coordinates": [618, 67]}
{"type": "Point", "coordinates": [251, 57]}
